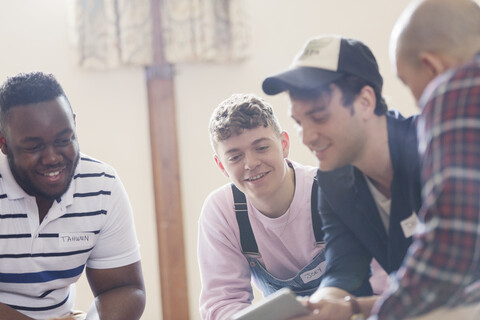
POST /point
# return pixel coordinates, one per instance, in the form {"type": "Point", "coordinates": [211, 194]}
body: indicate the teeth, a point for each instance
{"type": "Point", "coordinates": [52, 174]}
{"type": "Point", "coordinates": [256, 177]}
{"type": "Point", "coordinates": [322, 148]}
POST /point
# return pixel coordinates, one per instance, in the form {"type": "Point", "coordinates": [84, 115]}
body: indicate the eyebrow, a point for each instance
{"type": "Point", "coordinates": [255, 142]}
{"type": "Point", "coordinates": [65, 131]}
{"type": "Point", "coordinates": [30, 139]}
{"type": "Point", "coordinates": [35, 139]}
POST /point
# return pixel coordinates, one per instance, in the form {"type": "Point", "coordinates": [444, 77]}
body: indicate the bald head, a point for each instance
{"type": "Point", "coordinates": [449, 27]}
{"type": "Point", "coordinates": [446, 29]}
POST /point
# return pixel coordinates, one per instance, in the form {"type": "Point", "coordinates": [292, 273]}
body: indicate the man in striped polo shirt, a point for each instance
{"type": "Point", "coordinates": [60, 212]}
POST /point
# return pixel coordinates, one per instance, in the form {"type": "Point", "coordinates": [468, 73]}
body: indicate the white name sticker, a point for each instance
{"type": "Point", "coordinates": [75, 239]}
{"type": "Point", "coordinates": [409, 225]}
{"type": "Point", "coordinates": [313, 274]}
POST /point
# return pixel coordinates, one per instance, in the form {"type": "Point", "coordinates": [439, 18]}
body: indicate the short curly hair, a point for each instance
{"type": "Point", "coordinates": [240, 112]}
{"type": "Point", "coordinates": [27, 88]}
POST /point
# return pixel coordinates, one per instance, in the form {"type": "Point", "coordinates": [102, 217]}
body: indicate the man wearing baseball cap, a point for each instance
{"type": "Point", "coordinates": [368, 168]}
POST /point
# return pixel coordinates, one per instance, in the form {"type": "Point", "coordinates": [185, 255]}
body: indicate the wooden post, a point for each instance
{"type": "Point", "coordinates": [168, 202]}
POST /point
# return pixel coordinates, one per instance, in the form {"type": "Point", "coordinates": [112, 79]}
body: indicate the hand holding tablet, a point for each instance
{"type": "Point", "coordinates": [281, 305]}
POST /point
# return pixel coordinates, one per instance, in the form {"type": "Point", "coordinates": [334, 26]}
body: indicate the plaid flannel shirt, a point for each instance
{"type": "Point", "coordinates": [442, 266]}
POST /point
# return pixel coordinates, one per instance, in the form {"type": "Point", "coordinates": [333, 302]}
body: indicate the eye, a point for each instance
{"type": "Point", "coordinates": [319, 118]}
{"type": "Point", "coordinates": [63, 142]}
{"type": "Point", "coordinates": [234, 158]}
{"type": "Point", "coordinates": [33, 148]}
{"type": "Point", "coordinates": [262, 148]}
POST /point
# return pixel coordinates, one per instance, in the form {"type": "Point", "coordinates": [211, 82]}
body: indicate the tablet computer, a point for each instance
{"type": "Point", "coordinates": [280, 305]}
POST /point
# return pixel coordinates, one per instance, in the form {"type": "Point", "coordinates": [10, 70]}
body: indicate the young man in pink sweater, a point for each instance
{"type": "Point", "coordinates": [264, 225]}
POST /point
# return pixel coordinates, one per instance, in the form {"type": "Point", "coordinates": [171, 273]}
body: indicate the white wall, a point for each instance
{"type": "Point", "coordinates": [111, 106]}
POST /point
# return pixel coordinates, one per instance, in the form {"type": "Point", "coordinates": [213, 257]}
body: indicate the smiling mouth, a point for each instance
{"type": "Point", "coordinates": [320, 149]}
{"type": "Point", "coordinates": [53, 174]}
{"type": "Point", "coordinates": [323, 148]}
{"type": "Point", "coordinates": [258, 176]}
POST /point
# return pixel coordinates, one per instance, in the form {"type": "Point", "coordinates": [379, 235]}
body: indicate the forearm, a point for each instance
{"type": "Point", "coordinates": [224, 294]}
{"type": "Point", "coordinates": [224, 270]}
{"type": "Point", "coordinates": [348, 261]}
{"type": "Point", "coordinates": [221, 297]}
{"type": "Point", "coordinates": [8, 313]}
{"type": "Point", "coordinates": [123, 303]}
{"type": "Point", "coordinates": [415, 285]}
{"type": "Point", "coordinates": [434, 268]}
{"type": "Point", "coordinates": [366, 304]}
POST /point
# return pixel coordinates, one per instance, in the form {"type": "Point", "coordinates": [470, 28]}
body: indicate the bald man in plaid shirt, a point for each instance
{"type": "Point", "coordinates": [436, 50]}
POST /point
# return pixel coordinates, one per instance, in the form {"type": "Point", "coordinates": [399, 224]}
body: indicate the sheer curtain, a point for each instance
{"type": "Point", "coordinates": [205, 30]}
{"type": "Point", "coordinates": [112, 33]}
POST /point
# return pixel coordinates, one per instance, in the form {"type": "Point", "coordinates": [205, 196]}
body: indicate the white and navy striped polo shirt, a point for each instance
{"type": "Point", "coordinates": [90, 225]}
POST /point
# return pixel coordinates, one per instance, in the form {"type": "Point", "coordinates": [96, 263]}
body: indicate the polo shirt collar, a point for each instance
{"type": "Point", "coordinates": [14, 191]}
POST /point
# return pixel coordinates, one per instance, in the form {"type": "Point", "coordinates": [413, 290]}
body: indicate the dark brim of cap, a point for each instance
{"type": "Point", "coordinates": [299, 78]}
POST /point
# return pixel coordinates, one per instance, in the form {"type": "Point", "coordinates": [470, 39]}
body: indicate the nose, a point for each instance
{"type": "Point", "coordinates": [307, 135]}
{"type": "Point", "coordinates": [51, 156]}
{"type": "Point", "coordinates": [251, 161]}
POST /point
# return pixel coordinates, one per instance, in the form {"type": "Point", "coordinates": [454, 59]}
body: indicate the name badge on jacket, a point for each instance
{"type": "Point", "coordinates": [409, 225]}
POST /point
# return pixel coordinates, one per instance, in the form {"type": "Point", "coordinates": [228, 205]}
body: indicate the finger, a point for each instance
{"type": "Point", "coordinates": [302, 300]}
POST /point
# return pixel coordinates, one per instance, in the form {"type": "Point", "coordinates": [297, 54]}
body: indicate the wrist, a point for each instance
{"type": "Point", "coordinates": [355, 307]}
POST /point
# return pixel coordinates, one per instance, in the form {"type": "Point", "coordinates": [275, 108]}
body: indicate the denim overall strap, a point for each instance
{"type": "Point", "coordinates": [247, 239]}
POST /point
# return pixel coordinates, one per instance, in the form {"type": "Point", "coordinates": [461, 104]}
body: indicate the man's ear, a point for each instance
{"type": "Point", "coordinates": [3, 144]}
{"type": "Point", "coordinates": [366, 102]}
{"type": "Point", "coordinates": [285, 143]}
{"type": "Point", "coordinates": [220, 165]}
{"type": "Point", "coordinates": [435, 64]}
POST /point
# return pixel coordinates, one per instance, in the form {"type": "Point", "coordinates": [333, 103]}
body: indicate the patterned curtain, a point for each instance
{"type": "Point", "coordinates": [205, 30]}
{"type": "Point", "coordinates": [113, 33]}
